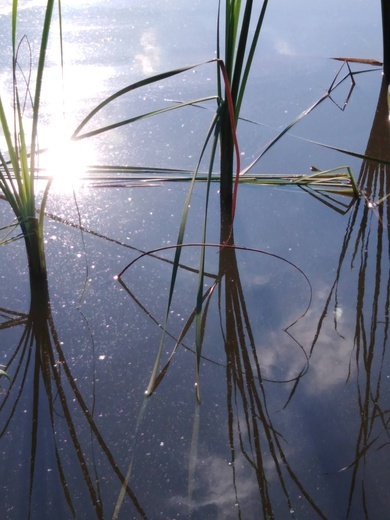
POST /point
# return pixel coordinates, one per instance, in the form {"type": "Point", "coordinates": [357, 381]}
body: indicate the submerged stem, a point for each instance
{"type": "Point", "coordinates": [33, 238]}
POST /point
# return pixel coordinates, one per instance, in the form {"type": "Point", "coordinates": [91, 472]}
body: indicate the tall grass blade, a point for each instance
{"type": "Point", "coordinates": [284, 131]}
{"type": "Point", "coordinates": [113, 126]}
{"type": "Point", "coordinates": [200, 296]}
{"type": "Point", "coordinates": [249, 61]}
{"type": "Point", "coordinates": [239, 60]}
{"type": "Point", "coordinates": [10, 146]}
{"type": "Point", "coordinates": [176, 260]}
{"type": "Point", "coordinates": [134, 86]}
{"type": "Point", "coordinates": [193, 457]}
{"type": "Point", "coordinates": [17, 177]}
{"type": "Point", "coordinates": [38, 87]}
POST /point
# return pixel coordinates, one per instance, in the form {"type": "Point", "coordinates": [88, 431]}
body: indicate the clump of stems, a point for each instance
{"type": "Point", "coordinates": [18, 170]}
{"type": "Point", "coordinates": [238, 56]}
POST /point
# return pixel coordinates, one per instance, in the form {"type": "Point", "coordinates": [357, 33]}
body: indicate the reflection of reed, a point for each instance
{"type": "Point", "coordinates": [254, 436]}
{"type": "Point", "coordinates": [246, 395]}
{"type": "Point", "coordinates": [39, 355]}
{"type": "Point", "coordinates": [366, 248]}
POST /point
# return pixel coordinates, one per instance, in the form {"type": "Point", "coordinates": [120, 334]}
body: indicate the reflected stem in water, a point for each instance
{"type": "Point", "coordinates": [246, 394]}
{"type": "Point", "coordinates": [366, 252]}
{"type": "Point", "coordinates": [245, 388]}
{"type": "Point", "coordinates": [40, 344]}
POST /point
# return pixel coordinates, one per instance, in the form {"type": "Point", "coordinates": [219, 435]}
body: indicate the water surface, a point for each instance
{"type": "Point", "coordinates": [294, 376]}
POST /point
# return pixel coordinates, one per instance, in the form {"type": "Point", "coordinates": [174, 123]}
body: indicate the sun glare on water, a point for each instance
{"type": "Point", "coordinates": [65, 162]}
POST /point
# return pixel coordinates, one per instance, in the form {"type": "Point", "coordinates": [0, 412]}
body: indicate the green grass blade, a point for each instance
{"type": "Point", "coordinates": [233, 8]}
{"type": "Point", "coordinates": [284, 131]}
{"type": "Point", "coordinates": [38, 86]}
{"type": "Point", "coordinates": [61, 37]}
{"type": "Point", "coordinates": [249, 61]}
{"type": "Point", "coordinates": [92, 133]}
{"type": "Point", "coordinates": [381, 200]}
{"type": "Point", "coordinates": [43, 206]}
{"type": "Point", "coordinates": [24, 178]}
{"type": "Point", "coordinates": [8, 139]}
{"type": "Point", "coordinates": [363, 156]}
{"type": "Point", "coordinates": [193, 456]}
{"type": "Point", "coordinates": [219, 82]}
{"type": "Point", "coordinates": [3, 373]}
{"type": "Point", "coordinates": [134, 86]}
{"type": "Point", "coordinates": [200, 296]}
{"type": "Point", "coordinates": [241, 49]}
{"type": "Point", "coordinates": [176, 260]}
{"type": "Point", "coordinates": [9, 193]}
{"type": "Point", "coordinates": [14, 21]}
{"type": "Point", "coordinates": [126, 480]}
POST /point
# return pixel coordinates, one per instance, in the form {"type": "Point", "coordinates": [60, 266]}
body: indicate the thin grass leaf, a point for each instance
{"type": "Point", "coordinates": [7, 238]}
{"type": "Point", "coordinates": [179, 340]}
{"type": "Point", "coordinates": [126, 480]}
{"type": "Point", "coordinates": [59, 8]}
{"type": "Point", "coordinates": [219, 82]}
{"type": "Point", "coordinates": [134, 86]}
{"type": "Point", "coordinates": [153, 383]}
{"type": "Point", "coordinates": [273, 141]}
{"type": "Point", "coordinates": [241, 49]}
{"type": "Point", "coordinates": [9, 142]}
{"type": "Point", "coordinates": [25, 186]}
{"type": "Point", "coordinates": [38, 86]}
{"type": "Point", "coordinates": [249, 60]}
{"type": "Point", "coordinates": [381, 200]}
{"type": "Point", "coordinates": [176, 260]}
{"type": "Point", "coordinates": [306, 112]}
{"type": "Point", "coordinates": [27, 79]}
{"type": "Point", "coordinates": [140, 117]}
{"type": "Point", "coordinates": [6, 181]}
{"type": "Point", "coordinates": [365, 157]}
{"type": "Point", "coordinates": [193, 456]}
{"type": "Point", "coordinates": [230, 105]}
{"type": "Point", "coordinates": [232, 14]}
{"type": "Point", "coordinates": [200, 295]}
{"type": "Point", "coordinates": [3, 373]}
{"type": "Point", "coordinates": [14, 20]}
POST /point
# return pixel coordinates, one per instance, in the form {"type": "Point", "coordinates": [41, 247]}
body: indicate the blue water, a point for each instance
{"type": "Point", "coordinates": [293, 379]}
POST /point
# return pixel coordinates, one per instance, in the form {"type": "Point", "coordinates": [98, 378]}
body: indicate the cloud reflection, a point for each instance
{"type": "Point", "coordinates": [149, 58]}
{"type": "Point", "coordinates": [214, 489]}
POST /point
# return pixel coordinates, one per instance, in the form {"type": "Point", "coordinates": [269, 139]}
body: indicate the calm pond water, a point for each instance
{"type": "Point", "coordinates": [294, 375]}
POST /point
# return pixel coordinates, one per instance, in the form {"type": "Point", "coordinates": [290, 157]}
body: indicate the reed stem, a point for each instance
{"type": "Point", "coordinates": [386, 37]}
{"type": "Point", "coordinates": [35, 251]}
{"type": "Point", "coordinates": [227, 163]}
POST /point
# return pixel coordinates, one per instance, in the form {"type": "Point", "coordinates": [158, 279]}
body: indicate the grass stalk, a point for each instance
{"type": "Point", "coordinates": [18, 173]}
{"type": "Point", "coordinates": [239, 53]}
{"type": "Point", "coordinates": [386, 37]}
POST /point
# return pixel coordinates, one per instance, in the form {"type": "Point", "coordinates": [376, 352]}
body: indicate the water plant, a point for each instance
{"type": "Point", "coordinates": [254, 433]}
{"type": "Point", "coordinates": [18, 170]}
{"type": "Point", "coordinates": [235, 52]}
{"type": "Point", "coordinates": [364, 258]}
{"type": "Point", "coordinates": [238, 29]}
{"type": "Point", "coordinates": [386, 37]}
{"type": "Point", "coordinates": [239, 26]}
{"type": "Point", "coordinates": [40, 378]}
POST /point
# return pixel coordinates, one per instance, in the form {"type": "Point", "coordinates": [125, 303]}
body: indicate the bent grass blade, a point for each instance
{"type": "Point", "coordinates": [134, 86]}
{"type": "Point", "coordinates": [205, 298]}
{"type": "Point", "coordinates": [176, 261]}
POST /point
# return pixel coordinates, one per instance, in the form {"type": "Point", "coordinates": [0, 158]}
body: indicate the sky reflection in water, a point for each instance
{"type": "Point", "coordinates": [303, 448]}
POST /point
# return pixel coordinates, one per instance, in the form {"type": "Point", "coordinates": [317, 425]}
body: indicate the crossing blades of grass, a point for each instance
{"type": "Point", "coordinates": [18, 173]}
